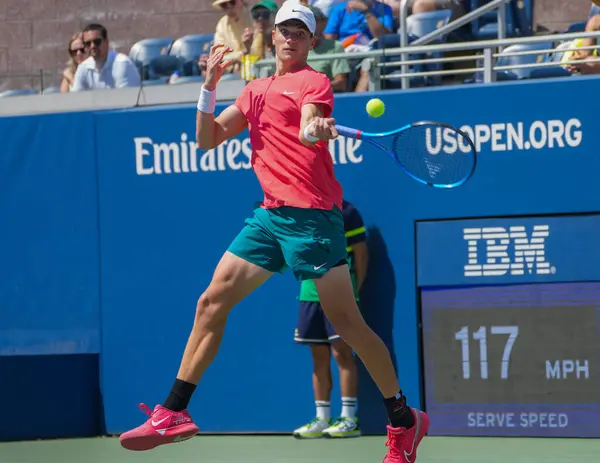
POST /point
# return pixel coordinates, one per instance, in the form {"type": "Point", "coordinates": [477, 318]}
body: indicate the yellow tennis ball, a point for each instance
{"type": "Point", "coordinates": [375, 107]}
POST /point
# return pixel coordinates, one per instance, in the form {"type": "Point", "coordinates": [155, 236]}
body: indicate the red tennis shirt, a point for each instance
{"type": "Point", "coordinates": [290, 173]}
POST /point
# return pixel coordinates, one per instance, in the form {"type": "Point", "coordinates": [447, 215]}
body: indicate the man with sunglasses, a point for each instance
{"type": "Point", "coordinates": [299, 225]}
{"type": "Point", "coordinates": [105, 68]}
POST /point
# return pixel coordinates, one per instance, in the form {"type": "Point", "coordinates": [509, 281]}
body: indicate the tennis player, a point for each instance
{"type": "Point", "coordinates": [316, 331]}
{"type": "Point", "coordinates": [299, 225]}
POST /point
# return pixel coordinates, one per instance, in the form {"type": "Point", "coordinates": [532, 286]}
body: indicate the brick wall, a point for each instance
{"type": "Point", "coordinates": [556, 15]}
{"type": "Point", "coordinates": [34, 33]}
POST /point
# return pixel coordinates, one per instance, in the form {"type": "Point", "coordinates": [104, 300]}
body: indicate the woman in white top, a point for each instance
{"type": "Point", "coordinates": [77, 55]}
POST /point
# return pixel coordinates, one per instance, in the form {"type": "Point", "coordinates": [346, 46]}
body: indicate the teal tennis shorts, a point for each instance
{"type": "Point", "coordinates": [309, 241]}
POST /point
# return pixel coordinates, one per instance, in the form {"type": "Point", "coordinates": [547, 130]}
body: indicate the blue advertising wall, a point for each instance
{"type": "Point", "coordinates": [508, 251]}
{"type": "Point", "coordinates": [116, 221]}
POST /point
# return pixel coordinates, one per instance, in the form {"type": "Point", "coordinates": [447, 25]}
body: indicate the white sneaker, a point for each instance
{"type": "Point", "coordinates": [312, 430]}
{"type": "Point", "coordinates": [344, 427]}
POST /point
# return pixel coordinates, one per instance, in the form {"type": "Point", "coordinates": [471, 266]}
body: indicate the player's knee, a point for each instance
{"type": "Point", "coordinates": [343, 323]}
{"type": "Point", "coordinates": [349, 325]}
{"type": "Point", "coordinates": [210, 311]}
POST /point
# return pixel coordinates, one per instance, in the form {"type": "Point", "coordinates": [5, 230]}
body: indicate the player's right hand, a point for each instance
{"type": "Point", "coordinates": [216, 65]}
{"type": "Point", "coordinates": [323, 128]}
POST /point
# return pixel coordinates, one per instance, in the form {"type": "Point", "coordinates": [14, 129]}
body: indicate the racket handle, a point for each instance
{"type": "Point", "coordinates": [348, 132]}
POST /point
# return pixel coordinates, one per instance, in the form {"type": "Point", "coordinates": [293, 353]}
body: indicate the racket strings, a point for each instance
{"type": "Point", "coordinates": [435, 154]}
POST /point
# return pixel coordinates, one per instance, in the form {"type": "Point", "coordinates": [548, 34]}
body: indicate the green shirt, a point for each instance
{"type": "Point", "coordinates": [330, 68]}
{"type": "Point", "coordinates": [355, 233]}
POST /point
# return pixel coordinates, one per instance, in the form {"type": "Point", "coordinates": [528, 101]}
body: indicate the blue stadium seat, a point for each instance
{"type": "Point", "coordinates": [578, 26]}
{"type": "Point", "coordinates": [529, 73]}
{"type": "Point", "coordinates": [421, 24]}
{"type": "Point", "coordinates": [192, 46]}
{"type": "Point", "coordinates": [49, 90]}
{"type": "Point", "coordinates": [393, 41]}
{"type": "Point", "coordinates": [189, 48]}
{"type": "Point", "coordinates": [417, 25]}
{"type": "Point", "coordinates": [519, 20]}
{"type": "Point", "coordinates": [164, 66]}
{"type": "Point", "coordinates": [142, 52]}
{"type": "Point", "coordinates": [19, 92]}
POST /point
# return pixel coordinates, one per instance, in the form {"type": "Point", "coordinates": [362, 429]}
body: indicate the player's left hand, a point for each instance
{"type": "Point", "coordinates": [323, 128]}
{"type": "Point", "coordinates": [216, 65]}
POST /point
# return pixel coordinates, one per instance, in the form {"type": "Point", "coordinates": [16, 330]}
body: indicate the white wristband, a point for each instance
{"type": "Point", "coordinates": [207, 101]}
{"type": "Point", "coordinates": [308, 136]}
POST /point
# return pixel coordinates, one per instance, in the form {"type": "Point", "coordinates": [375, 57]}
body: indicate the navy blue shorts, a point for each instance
{"type": "Point", "coordinates": [313, 326]}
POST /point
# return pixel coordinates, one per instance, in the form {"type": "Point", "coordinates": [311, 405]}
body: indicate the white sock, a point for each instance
{"type": "Point", "coordinates": [349, 405]}
{"type": "Point", "coordinates": [323, 410]}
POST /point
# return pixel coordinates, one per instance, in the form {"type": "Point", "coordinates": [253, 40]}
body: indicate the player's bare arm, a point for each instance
{"type": "Point", "coordinates": [211, 131]}
{"type": "Point", "coordinates": [314, 125]}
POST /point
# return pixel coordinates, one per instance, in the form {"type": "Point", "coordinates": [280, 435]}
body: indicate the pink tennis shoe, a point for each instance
{"type": "Point", "coordinates": [163, 427]}
{"type": "Point", "coordinates": [402, 443]}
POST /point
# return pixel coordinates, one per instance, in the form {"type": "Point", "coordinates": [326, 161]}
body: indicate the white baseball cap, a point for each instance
{"type": "Point", "coordinates": [292, 9]}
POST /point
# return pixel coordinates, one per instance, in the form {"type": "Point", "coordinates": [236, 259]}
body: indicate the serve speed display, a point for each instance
{"type": "Point", "coordinates": [513, 360]}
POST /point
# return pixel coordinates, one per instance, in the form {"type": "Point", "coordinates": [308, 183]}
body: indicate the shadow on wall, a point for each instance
{"type": "Point", "coordinates": [377, 302]}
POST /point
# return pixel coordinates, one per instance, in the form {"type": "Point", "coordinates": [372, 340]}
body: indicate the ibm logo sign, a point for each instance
{"type": "Point", "coordinates": [505, 251]}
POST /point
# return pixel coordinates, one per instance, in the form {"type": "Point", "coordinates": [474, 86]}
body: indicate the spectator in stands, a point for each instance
{"type": "Point", "coordinates": [258, 40]}
{"type": "Point", "coordinates": [230, 29]}
{"type": "Point", "coordinates": [458, 7]}
{"type": "Point", "coordinates": [77, 55]}
{"type": "Point", "coordinates": [324, 5]}
{"type": "Point", "coordinates": [337, 70]}
{"type": "Point", "coordinates": [592, 67]}
{"type": "Point", "coordinates": [355, 23]}
{"type": "Point", "coordinates": [359, 18]}
{"type": "Point", "coordinates": [105, 68]}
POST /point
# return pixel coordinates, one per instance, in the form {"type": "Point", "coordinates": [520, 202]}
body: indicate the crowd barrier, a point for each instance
{"type": "Point", "coordinates": [113, 222]}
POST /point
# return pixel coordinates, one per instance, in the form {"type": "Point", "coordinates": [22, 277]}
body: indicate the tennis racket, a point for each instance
{"type": "Point", "coordinates": [433, 153]}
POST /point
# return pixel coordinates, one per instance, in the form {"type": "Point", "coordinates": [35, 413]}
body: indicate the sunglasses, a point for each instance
{"type": "Point", "coordinates": [263, 14]}
{"type": "Point", "coordinates": [88, 43]}
{"type": "Point", "coordinates": [77, 50]}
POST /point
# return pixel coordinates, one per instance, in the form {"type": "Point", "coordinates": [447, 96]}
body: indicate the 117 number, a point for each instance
{"type": "Point", "coordinates": [480, 335]}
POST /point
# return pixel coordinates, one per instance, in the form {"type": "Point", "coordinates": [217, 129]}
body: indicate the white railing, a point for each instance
{"type": "Point", "coordinates": [488, 56]}
{"type": "Point", "coordinates": [498, 5]}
